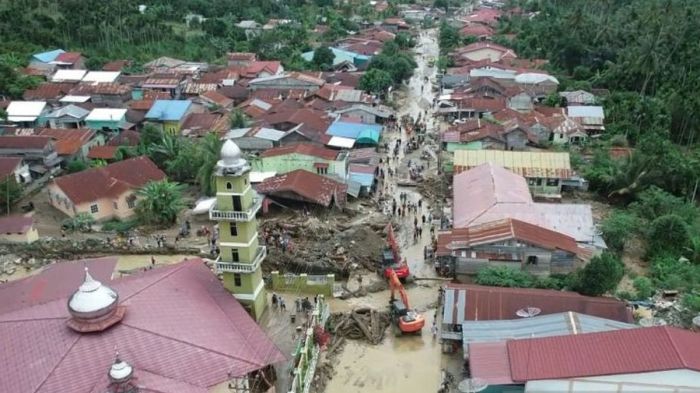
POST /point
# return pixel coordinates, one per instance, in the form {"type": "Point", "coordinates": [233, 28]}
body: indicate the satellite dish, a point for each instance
{"type": "Point", "coordinates": [648, 322]}
{"type": "Point", "coordinates": [472, 385]}
{"type": "Point", "coordinates": [528, 312]}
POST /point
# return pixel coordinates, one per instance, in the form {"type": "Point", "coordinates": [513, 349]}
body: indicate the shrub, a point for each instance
{"type": "Point", "coordinates": [119, 226]}
{"type": "Point", "coordinates": [502, 276]}
{"type": "Point", "coordinates": [643, 287]}
{"type": "Point", "coordinates": [600, 275]}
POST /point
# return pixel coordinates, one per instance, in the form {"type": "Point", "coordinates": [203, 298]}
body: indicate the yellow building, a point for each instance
{"type": "Point", "coordinates": [18, 229]}
{"type": "Point", "coordinates": [241, 255]}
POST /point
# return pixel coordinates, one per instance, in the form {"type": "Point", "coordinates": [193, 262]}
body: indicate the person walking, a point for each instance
{"type": "Point", "coordinates": [274, 300]}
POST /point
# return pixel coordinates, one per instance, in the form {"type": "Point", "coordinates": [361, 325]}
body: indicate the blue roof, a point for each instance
{"type": "Point", "coordinates": [341, 55]}
{"type": "Point", "coordinates": [366, 179]}
{"type": "Point", "coordinates": [168, 110]}
{"type": "Point", "coordinates": [46, 57]}
{"type": "Point", "coordinates": [351, 130]}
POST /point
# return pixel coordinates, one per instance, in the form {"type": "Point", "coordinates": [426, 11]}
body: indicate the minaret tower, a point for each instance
{"type": "Point", "coordinates": [240, 256]}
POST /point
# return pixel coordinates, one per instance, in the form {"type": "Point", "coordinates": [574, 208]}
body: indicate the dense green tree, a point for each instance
{"type": "Point", "coordinates": [375, 81]}
{"type": "Point", "coordinates": [159, 203]}
{"type": "Point", "coordinates": [669, 233]}
{"type": "Point", "coordinates": [448, 38]}
{"type": "Point", "coordinates": [209, 149]}
{"type": "Point", "coordinates": [323, 58]}
{"type": "Point", "coordinates": [237, 119]}
{"type": "Point", "coordinates": [76, 165]}
{"type": "Point", "coordinates": [600, 275]}
{"type": "Point", "coordinates": [404, 40]}
{"type": "Point", "coordinates": [619, 227]}
{"type": "Point", "coordinates": [150, 135]}
{"type": "Point", "coordinates": [10, 193]}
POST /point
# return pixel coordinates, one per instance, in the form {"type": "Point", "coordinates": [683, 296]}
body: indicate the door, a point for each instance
{"type": "Point", "coordinates": [237, 203]}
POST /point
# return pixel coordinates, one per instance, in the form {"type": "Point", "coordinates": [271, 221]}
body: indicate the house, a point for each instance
{"type": "Point", "coordinates": [201, 124]}
{"type": "Point", "coordinates": [108, 333]}
{"type": "Point", "coordinates": [168, 83]}
{"type": "Point", "coordinates": [103, 153]}
{"type": "Point", "coordinates": [195, 88]}
{"type": "Point", "coordinates": [110, 95]}
{"type": "Point", "coordinates": [362, 133]}
{"type": "Point", "coordinates": [485, 16]}
{"type": "Point", "coordinates": [578, 97]}
{"type": "Point", "coordinates": [15, 168]}
{"type": "Point", "coordinates": [464, 302]}
{"type": "Point", "coordinates": [306, 156]}
{"type": "Point", "coordinates": [545, 172]}
{"type": "Point", "coordinates": [511, 243]}
{"type": "Point", "coordinates": [47, 62]}
{"type": "Point", "coordinates": [537, 84]}
{"type": "Point", "coordinates": [363, 174]}
{"type": "Point", "coordinates": [394, 25]}
{"type": "Point", "coordinates": [241, 59]}
{"type": "Point", "coordinates": [343, 59]}
{"type": "Point", "coordinates": [256, 139]}
{"type": "Point", "coordinates": [564, 129]}
{"type": "Point", "coordinates": [52, 93]}
{"type": "Point", "coordinates": [72, 144]}
{"type": "Point", "coordinates": [491, 193]}
{"type": "Point", "coordinates": [261, 69]}
{"type": "Point", "coordinates": [18, 229]}
{"type": "Point", "coordinates": [366, 113]}
{"type": "Point", "coordinates": [37, 151]}
{"type": "Point", "coordinates": [520, 101]}
{"type": "Point", "coordinates": [216, 100]}
{"type": "Point", "coordinates": [304, 124]}
{"type": "Point", "coordinates": [250, 27]}
{"type": "Point", "coordinates": [68, 76]}
{"type": "Point", "coordinates": [591, 118]}
{"type": "Point", "coordinates": [169, 114]}
{"type": "Point", "coordinates": [105, 193]}
{"type": "Point", "coordinates": [304, 187]}
{"type": "Point", "coordinates": [482, 50]}
{"type": "Point", "coordinates": [474, 134]}
{"type": "Point", "coordinates": [654, 359]}
{"type": "Point", "coordinates": [69, 116]}
{"type": "Point", "coordinates": [106, 119]}
{"type": "Point", "coordinates": [517, 135]}
{"type": "Point", "coordinates": [479, 31]}
{"type": "Point", "coordinates": [237, 93]}
{"type": "Point", "coordinates": [101, 77]}
{"type": "Point", "coordinates": [294, 80]}
{"type": "Point", "coordinates": [27, 114]}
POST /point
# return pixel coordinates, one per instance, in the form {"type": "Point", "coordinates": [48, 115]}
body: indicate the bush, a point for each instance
{"type": "Point", "coordinates": [670, 272]}
{"type": "Point", "coordinates": [617, 229]}
{"type": "Point", "coordinates": [669, 234]}
{"type": "Point", "coordinates": [600, 275]}
{"type": "Point", "coordinates": [82, 222]}
{"type": "Point", "coordinates": [119, 226]}
{"type": "Point", "coordinates": [643, 287]}
{"type": "Point", "coordinates": [502, 276]}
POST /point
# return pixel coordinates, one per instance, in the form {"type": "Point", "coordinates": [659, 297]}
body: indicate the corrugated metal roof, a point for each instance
{"type": "Point", "coordinates": [585, 111]}
{"type": "Point", "coordinates": [168, 110]}
{"type": "Point", "coordinates": [339, 141]}
{"type": "Point", "coordinates": [476, 303]}
{"type": "Point", "coordinates": [528, 164]}
{"type": "Point", "coordinates": [351, 130]}
{"type": "Point", "coordinates": [366, 179]}
{"type": "Point", "coordinates": [25, 109]}
{"type": "Point", "coordinates": [559, 324]}
{"type": "Point", "coordinates": [47, 57]}
{"type": "Point", "coordinates": [106, 114]}
{"type": "Point", "coordinates": [101, 76]}
{"type": "Point", "coordinates": [306, 185]}
{"type": "Point", "coordinates": [490, 363]}
{"type": "Point", "coordinates": [270, 134]}
{"type": "Point", "coordinates": [607, 353]}
{"type": "Point", "coordinates": [68, 75]}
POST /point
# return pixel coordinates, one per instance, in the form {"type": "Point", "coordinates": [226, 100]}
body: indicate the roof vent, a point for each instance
{"type": "Point", "coordinates": [528, 312]}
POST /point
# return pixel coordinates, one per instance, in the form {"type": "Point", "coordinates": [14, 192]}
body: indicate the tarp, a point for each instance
{"type": "Point", "coordinates": [365, 179]}
{"type": "Point", "coordinates": [203, 206]}
{"type": "Point", "coordinates": [368, 137]}
{"type": "Point", "coordinates": [339, 141]}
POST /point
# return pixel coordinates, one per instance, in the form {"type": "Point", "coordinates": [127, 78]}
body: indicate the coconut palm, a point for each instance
{"type": "Point", "coordinates": [209, 149]}
{"type": "Point", "coordinates": [159, 202]}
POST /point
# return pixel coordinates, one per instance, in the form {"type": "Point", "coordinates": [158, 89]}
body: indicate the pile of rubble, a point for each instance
{"type": "Point", "coordinates": [320, 247]}
{"type": "Point", "coordinates": [364, 323]}
{"type": "Point", "coordinates": [436, 189]}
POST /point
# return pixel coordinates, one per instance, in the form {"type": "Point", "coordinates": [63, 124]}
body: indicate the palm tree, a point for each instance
{"type": "Point", "coordinates": [209, 149]}
{"type": "Point", "coordinates": [159, 202]}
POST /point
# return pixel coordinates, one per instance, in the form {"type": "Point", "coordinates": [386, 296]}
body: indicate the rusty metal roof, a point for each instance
{"type": "Point", "coordinates": [306, 185]}
{"type": "Point", "coordinates": [524, 163]}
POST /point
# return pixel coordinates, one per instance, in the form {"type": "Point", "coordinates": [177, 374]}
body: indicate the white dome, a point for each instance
{"type": "Point", "coordinates": [530, 78]}
{"type": "Point", "coordinates": [92, 299]}
{"type": "Point", "coordinates": [120, 371]}
{"type": "Point", "coordinates": [230, 152]}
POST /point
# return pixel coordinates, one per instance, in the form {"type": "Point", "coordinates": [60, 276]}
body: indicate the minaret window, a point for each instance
{"type": "Point", "coordinates": [234, 255]}
{"type": "Point", "coordinates": [228, 185]}
{"type": "Point", "coordinates": [237, 279]}
{"type": "Point", "coordinates": [234, 229]}
{"type": "Point", "coordinates": [237, 206]}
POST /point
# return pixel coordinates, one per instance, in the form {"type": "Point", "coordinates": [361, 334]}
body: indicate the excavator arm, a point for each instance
{"type": "Point", "coordinates": [396, 286]}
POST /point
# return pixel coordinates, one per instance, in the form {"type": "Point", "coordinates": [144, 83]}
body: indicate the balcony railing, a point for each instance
{"type": "Point", "coordinates": [237, 267]}
{"type": "Point", "coordinates": [229, 215]}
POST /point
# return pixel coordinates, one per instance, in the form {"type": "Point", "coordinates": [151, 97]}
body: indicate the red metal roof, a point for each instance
{"type": "Point", "coordinates": [109, 181]}
{"type": "Point", "coordinates": [48, 91]}
{"type": "Point", "coordinates": [69, 57]}
{"type": "Point", "coordinates": [242, 56]}
{"type": "Point", "coordinates": [626, 351]}
{"type": "Point", "coordinates": [307, 149]}
{"type": "Point", "coordinates": [15, 224]}
{"type": "Point", "coordinates": [24, 142]}
{"type": "Point", "coordinates": [494, 303]}
{"type": "Point", "coordinates": [8, 166]}
{"type": "Point", "coordinates": [182, 332]}
{"type": "Point", "coordinates": [491, 364]}
{"type": "Point", "coordinates": [217, 98]}
{"type": "Point", "coordinates": [102, 152]}
{"type": "Point", "coordinates": [68, 140]}
{"type": "Point", "coordinates": [308, 186]}
{"type": "Point", "coordinates": [116, 65]}
{"type": "Point", "coordinates": [476, 30]}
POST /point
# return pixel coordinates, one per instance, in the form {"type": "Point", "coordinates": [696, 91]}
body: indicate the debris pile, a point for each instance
{"type": "Point", "coordinates": [364, 323]}
{"type": "Point", "coordinates": [435, 189]}
{"type": "Point", "coordinates": [319, 247]}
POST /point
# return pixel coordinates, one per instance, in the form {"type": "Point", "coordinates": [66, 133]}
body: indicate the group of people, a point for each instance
{"type": "Point", "coordinates": [280, 239]}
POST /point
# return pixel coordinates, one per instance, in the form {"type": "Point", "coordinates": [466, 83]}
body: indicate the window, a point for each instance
{"type": "Point", "coordinates": [131, 202]}
{"type": "Point", "coordinates": [322, 170]}
{"type": "Point", "coordinates": [228, 185]}
{"type": "Point", "coordinates": [234, 255]}
{"type": "Point", "coordinates": [531, 181]}
{"type": "Point", "coordinates": [234, 229]}
{"type": "Point", "coordinates": [93, 209]}
{"type": "Point", "coordinates": [552, 182]}
{"type": "Point", "coordinates": [532, 260]}
{"type": "Point", "coordinates": [245, 181]}
{"type": "Point", "coordinates": [539, 181]}
{"type": "Point", "coordinates": [116, 206]}
{"type": "Point", "coordinates": [237, 279]}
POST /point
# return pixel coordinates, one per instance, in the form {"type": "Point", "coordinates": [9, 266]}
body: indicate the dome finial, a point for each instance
{"type": "Point", "coordinates": [93, 306]}
{"type": "Point", "coordinates": [231, 159]}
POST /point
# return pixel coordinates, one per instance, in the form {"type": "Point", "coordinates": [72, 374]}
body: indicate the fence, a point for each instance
{"type": "Point", "coordinates": [303, 283]}
{"type": "Point", "coordinates": [307, 350]}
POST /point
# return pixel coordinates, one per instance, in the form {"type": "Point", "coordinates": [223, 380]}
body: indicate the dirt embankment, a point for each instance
{"type": "Point", "coordinates": [322, 246]}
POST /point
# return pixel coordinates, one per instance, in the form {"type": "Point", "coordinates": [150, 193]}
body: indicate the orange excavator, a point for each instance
{"type": "Point", "coordinates": [391, 258]}
{"type": "Point", "coordinates": [407, 320]}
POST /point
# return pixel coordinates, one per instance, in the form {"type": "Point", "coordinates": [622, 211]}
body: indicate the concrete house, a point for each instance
{"type": "Point", "coordinates": [169, 115]}
{"type": "Point", "coordinates": [564, 129]}
{"type": "Point", "coordinates": [73, 144]}
{"type": "Point", "coordinates": [343, 59]}
{"type": "Point", "coordinates": [306, 156]}
{"type": "Point", "coordinates": [69, 116]}
{"type": "Point", "coordinates": [27, 114]}
{"type": "Point", "coordinates": [38, 152]}
{"type": "Point", "coordinates": [106, 119]}
{"type": "Point", "coordinates": [105, 193]}
{"type": "Point", "coordinates": [18, 229]}
{"type": "Point", "coordinates": [510, 243]}
{"type": "Point", "coordinates": [366, 113]}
